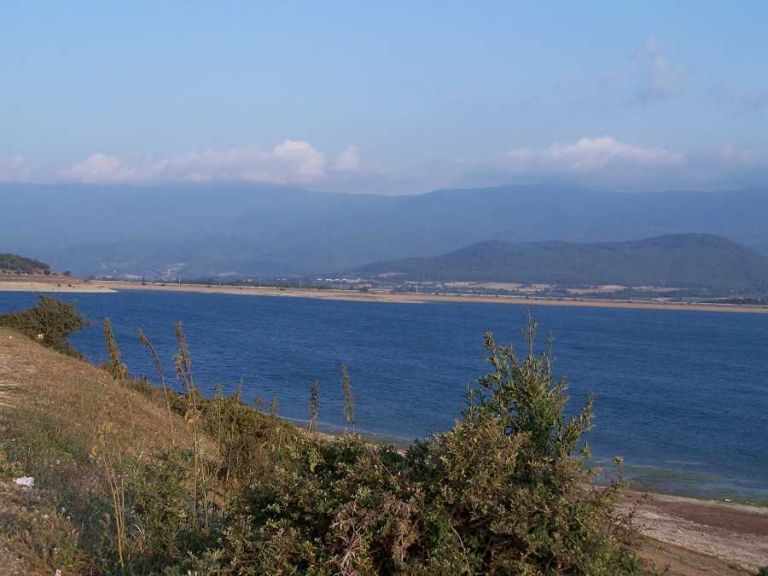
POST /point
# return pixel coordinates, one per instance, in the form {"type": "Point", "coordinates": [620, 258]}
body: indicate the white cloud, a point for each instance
{"type": "Point", "coordinates": [591, 154]}
{"type": "Point", "coordinates": [290, 162]}
{"type": "Point", "coordinates": [299, 160]}
{"type": "Point", "coordinates": [101, 168]}
{"type": "Point", "coordinates": [348, 160]}
{"type": "Point", "coordinates": [601, 160]}
{"type": "Point", "coordinates": [15, 169]}
{"type": "Point", "coordinates": [523, 157]}
{"type": "Point", "coordinates": [595, 153]}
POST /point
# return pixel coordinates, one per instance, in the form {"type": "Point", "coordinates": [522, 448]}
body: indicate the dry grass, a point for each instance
{"type": "Point", "coordinates": [54, 410]}
{"type": "Point", "coordinates": [76, 399]}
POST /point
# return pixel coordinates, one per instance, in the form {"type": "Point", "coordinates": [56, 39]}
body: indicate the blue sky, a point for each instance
{"type": "Point", "coordinates": [391, 97]}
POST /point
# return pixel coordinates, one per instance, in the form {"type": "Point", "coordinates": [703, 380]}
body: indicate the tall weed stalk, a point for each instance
{"type": "Point", "coordinates": [147, 343]}
{"type": "Point", "coordinates": [115, 365]}
{"type": "Point", "coordinates": [183, 364]}
{"type": "Point", "coordinates": [108, 453]}
{"type": "Point", "coordinates": [349, 399]}
{"type": "Point", "coordinates": [314, 400]}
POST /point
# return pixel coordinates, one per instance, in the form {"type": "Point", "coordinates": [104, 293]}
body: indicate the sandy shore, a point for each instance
{"type": "Point", "coordinates": [74, 285]}
{"type": "Point", "coordinates": [701, 536]}
{"type": "Point", "coordinates": [54, 284]}
{"type": "Point", "coordinates": [416, 298]}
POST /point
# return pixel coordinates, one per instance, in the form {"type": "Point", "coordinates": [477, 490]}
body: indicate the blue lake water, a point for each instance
{"type": "Point", "coordinates": [682, 396]}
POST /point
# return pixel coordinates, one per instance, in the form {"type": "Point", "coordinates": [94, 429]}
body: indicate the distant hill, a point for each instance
{"type": "Point", "coordinates": [13, 264]}
{"type": "Point", "coordinates": [264, 231]}
{"type": "Point", "coordinates": [674, 260]}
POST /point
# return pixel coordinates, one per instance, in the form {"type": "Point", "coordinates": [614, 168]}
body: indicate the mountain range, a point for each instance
{"type": "Point", "coordinates": [247, 230]}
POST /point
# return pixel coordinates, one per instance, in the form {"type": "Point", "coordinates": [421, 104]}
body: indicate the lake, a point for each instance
{"type": "Point", "coordinates": [682, 396]}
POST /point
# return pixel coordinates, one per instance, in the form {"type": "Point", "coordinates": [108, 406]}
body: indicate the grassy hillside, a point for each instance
{"type": "Point", "coordinates": [680, 260]}
{"type": "Point", "coordinates": [107, 452]}
{"type": "Point", "coordinates": [13, 264]}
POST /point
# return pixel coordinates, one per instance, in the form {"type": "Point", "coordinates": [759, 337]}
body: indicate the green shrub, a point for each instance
{"type": "Point", "coordinates": [163, 533]}
{"type": "Point", "coordinates": [50, 322]}
{"type": "Point", "coordinates": [507, 491]}
{"type": "Point", "coordinates": [511, 483]}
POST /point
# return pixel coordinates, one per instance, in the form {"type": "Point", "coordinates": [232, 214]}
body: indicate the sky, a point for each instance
{"type": "Point", "coordinates": [385, 97]}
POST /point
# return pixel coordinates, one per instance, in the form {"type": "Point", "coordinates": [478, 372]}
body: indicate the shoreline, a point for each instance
{"type": "Point", "coordinates": [54, 285]}
{"type": "Point", "coordinates": [420, 298]}
{"type": "Point", "coordinates": [77, 286]}
{"type": "Point", "coordinates": [728, 533]}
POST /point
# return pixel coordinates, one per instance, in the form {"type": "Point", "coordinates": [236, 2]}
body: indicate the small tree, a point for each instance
{"type": "Point", "coordinates": [349, 399]}
{"type": "Point", "coordinates": [51, 322]}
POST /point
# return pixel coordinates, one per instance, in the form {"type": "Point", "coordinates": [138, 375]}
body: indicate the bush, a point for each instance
{"type": "Point", "coordinates": [510, 482]}
{"type": "Point", "coordinates": [50, 322]}
{"type": "Point", "coordinates": [507, 491]}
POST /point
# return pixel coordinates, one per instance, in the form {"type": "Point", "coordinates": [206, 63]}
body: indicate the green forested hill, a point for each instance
{"type": "Point", "coordinates": [677, 260]}
{"type": "Point", "coordinates": [20, 265]}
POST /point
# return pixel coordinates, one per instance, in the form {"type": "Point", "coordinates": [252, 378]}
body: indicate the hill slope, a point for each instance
{"type": "Point", "coordinates": [679, 260]}
{"type": "Point", "coordinates": [13, 264]}
{"type": "Point", "coordinates": [268, 231]}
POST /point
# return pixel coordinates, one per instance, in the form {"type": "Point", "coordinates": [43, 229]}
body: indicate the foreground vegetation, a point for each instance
{"type": "Point", "coordinates": [135, 479]}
